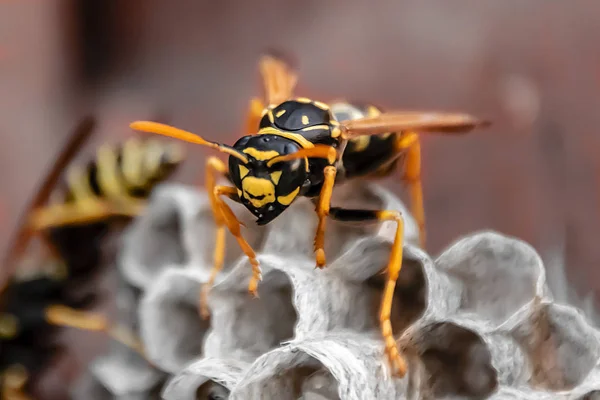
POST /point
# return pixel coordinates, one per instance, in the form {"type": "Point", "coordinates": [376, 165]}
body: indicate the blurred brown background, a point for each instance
{"type": "Point", "coordinates": [531, 67]}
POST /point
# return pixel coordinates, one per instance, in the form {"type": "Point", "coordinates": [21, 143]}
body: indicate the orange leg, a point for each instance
{"type": "Point", "coordinates": [322, 212]}
{"type": "Point", "coordinates": [412, 177]}
{"type": "Point", "coordinates": [233, 224]}
{"type": "Point", "coordinates": [393, 271]}
{"type": "Point", "coordinates": [214, 166]}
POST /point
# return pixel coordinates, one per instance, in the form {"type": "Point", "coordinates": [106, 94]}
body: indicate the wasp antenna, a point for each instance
{"type": "Point", "coordinates": [170, 131]}
{"type": "Point", "coordinates": [319, 151]}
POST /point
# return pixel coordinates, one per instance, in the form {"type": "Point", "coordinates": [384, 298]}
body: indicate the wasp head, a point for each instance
{"type": "Point", "coordinates": [267, 187]}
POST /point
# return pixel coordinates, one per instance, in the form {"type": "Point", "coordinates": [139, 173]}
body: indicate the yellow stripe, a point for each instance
{"type": "Point", "coordinates": [301, 140]}
{"type": "Point", "coordinates": [287, 199]}
{"type": "Point", "coordinates": [79, 184]}
{"type": "Point", "coordinates": [261, 155]}
{"type": "Point", "coordinates": [108, 172]}
{"type": "Point", "coordinates": [280, 113]}
{"type": "Point", "coordinates": [321, 105]}
{"type": "Point", "coordinates": [133, 154]}
{"type": "Point", "coordinates": [153, 153]}
{"type": "Point", "coordinates": [315, 127]}
{"type": "Point", "coordinates": [303, 100]}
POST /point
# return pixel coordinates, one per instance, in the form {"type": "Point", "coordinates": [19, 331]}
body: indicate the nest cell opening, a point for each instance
{"type": "Point", "coordinates": [190, 331]}
{"type": "Point", "coordinates": [593, 395]}
{"type": "Point", "coordinates": [160, 240]}
{"type": "Point", "coordinates": [309, 381]}
{"type": "Point", "coordinates": [253, 326]}
{"type": "Point", "coordinates": [561, 347]}
{"type": "Point", "coordinates": [457, 362]}
{"type": "Point", "coordinates": [212, 390]}
{"type": "Point", "coordinates": [410, 295]}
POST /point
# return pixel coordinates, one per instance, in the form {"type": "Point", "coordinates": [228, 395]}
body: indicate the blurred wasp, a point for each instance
{"type": "Point", "coordinates": [304, 147]}
{"type": "Point", "coordinates": [36, 301]}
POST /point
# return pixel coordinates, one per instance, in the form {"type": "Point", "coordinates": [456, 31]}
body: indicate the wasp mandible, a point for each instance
{"type": "Point", "coordinates": [302, 148]}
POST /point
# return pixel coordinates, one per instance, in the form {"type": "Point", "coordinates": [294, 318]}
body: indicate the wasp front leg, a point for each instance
{"type": "Point", "coordinates": [322, 209]}
{"type": "Point", "coordinates": [233, 224]}
{"type": "Point", "coordinates": [397, 362]}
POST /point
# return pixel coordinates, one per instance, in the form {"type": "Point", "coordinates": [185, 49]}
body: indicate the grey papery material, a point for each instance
{"type": "Point", "coordinates": [498, 273]}
{"type": "Point", "coordinates": [122, 372]}
{"type": "Point", "coordinates": [205, 377]}
{"type": "Point", "coordinates": [170, 326]}
{"type": "Point", "coordinates": [349, 366]}
{"type": "Point", "coordinates": [478, 322]}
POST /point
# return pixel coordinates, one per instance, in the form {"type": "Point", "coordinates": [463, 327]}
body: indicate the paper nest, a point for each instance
{"type": "Point", "coordinates": [477, 322]}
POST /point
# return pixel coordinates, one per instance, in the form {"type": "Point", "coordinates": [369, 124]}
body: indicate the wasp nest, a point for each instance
{"type": "Point", "coordinates": [477, 322]}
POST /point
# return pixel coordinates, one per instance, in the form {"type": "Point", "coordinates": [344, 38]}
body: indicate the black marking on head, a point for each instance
{"type": "Point", "coordinates": [286, 177]}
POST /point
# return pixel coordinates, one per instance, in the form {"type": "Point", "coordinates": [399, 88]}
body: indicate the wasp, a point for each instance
{"type": "Point", "coordinates": [36, 301]}
{"type": "Point", "coordinates": [303, 148]}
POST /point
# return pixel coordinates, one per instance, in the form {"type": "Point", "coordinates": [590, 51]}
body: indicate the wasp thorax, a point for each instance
{"type": "Point", "coordinates": [267, 189]}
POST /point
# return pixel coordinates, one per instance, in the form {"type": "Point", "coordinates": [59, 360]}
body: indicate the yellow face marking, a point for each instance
{"type": "Point", "coordinates": [287, 199]}
{"type": "Point", "coordinates": [280, 113]}
{"type": "Point", "coordinates": [336, 132]}
{"type": "Point", "coordinates": [258, 191]}
{"type": "Point", "coordinates": [321, 105]}
{"type": "Point", "coordinates": [9, 326]}
{"type": "Point", "coordinates": [276, 176]}
{"type": "Point", "coordinates": [271, 118]}
{"type": "Point", "coordinates": [243, 171]}
{"type": "Point", "coordinates": [315, 128]}
{"type": "Point", "coordinates": [260, 154]}
{"type": "Point", "coordinates": [361, 142]}
{"type": "Point", "coordinates": [239, 193]}
{"type": "Point", "coordinates": [305, 120]}
{"type": "Point", "coordinates": [303, 100]}
{"type": "Point", "coordinates": [301, 140]}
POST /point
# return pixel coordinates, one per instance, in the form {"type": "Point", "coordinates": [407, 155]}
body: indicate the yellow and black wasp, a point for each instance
{"type": "Point", "coordinates": [302, 148]}
{"type": "Point", "coordinates": [36, 301]}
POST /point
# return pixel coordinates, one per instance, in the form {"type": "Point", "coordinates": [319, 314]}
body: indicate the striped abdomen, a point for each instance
{"type": "Point", "coordinates": [131, 169]}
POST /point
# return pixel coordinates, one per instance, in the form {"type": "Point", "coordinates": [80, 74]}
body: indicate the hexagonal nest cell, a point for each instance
{"type": "Point", "coordinates": [479, 322]}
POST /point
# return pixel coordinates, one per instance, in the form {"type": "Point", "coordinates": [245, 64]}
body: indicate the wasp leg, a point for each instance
{"type": "Point", "coordinates": [412, 177]}
{"type": "Point", "coordinates": [233, 224]}
{"type": "Point", "coordinates": [214, 166]}
{"type": "Point", "coordinates": [255, 113]}
{"type": "Point", "coordinates": [83, 212]}
{"type": "Point", "coordinates": [393, 270]}
{"type": "Point", "coordinates": [14, 380]}
{"type": "Point", "coordinates": [322, 212]}
{"type": "Point", "coordinates": [61, 315]}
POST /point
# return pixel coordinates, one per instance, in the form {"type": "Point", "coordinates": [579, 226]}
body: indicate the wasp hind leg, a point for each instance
{"type": "Point", "coordinates": [394, 357]}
